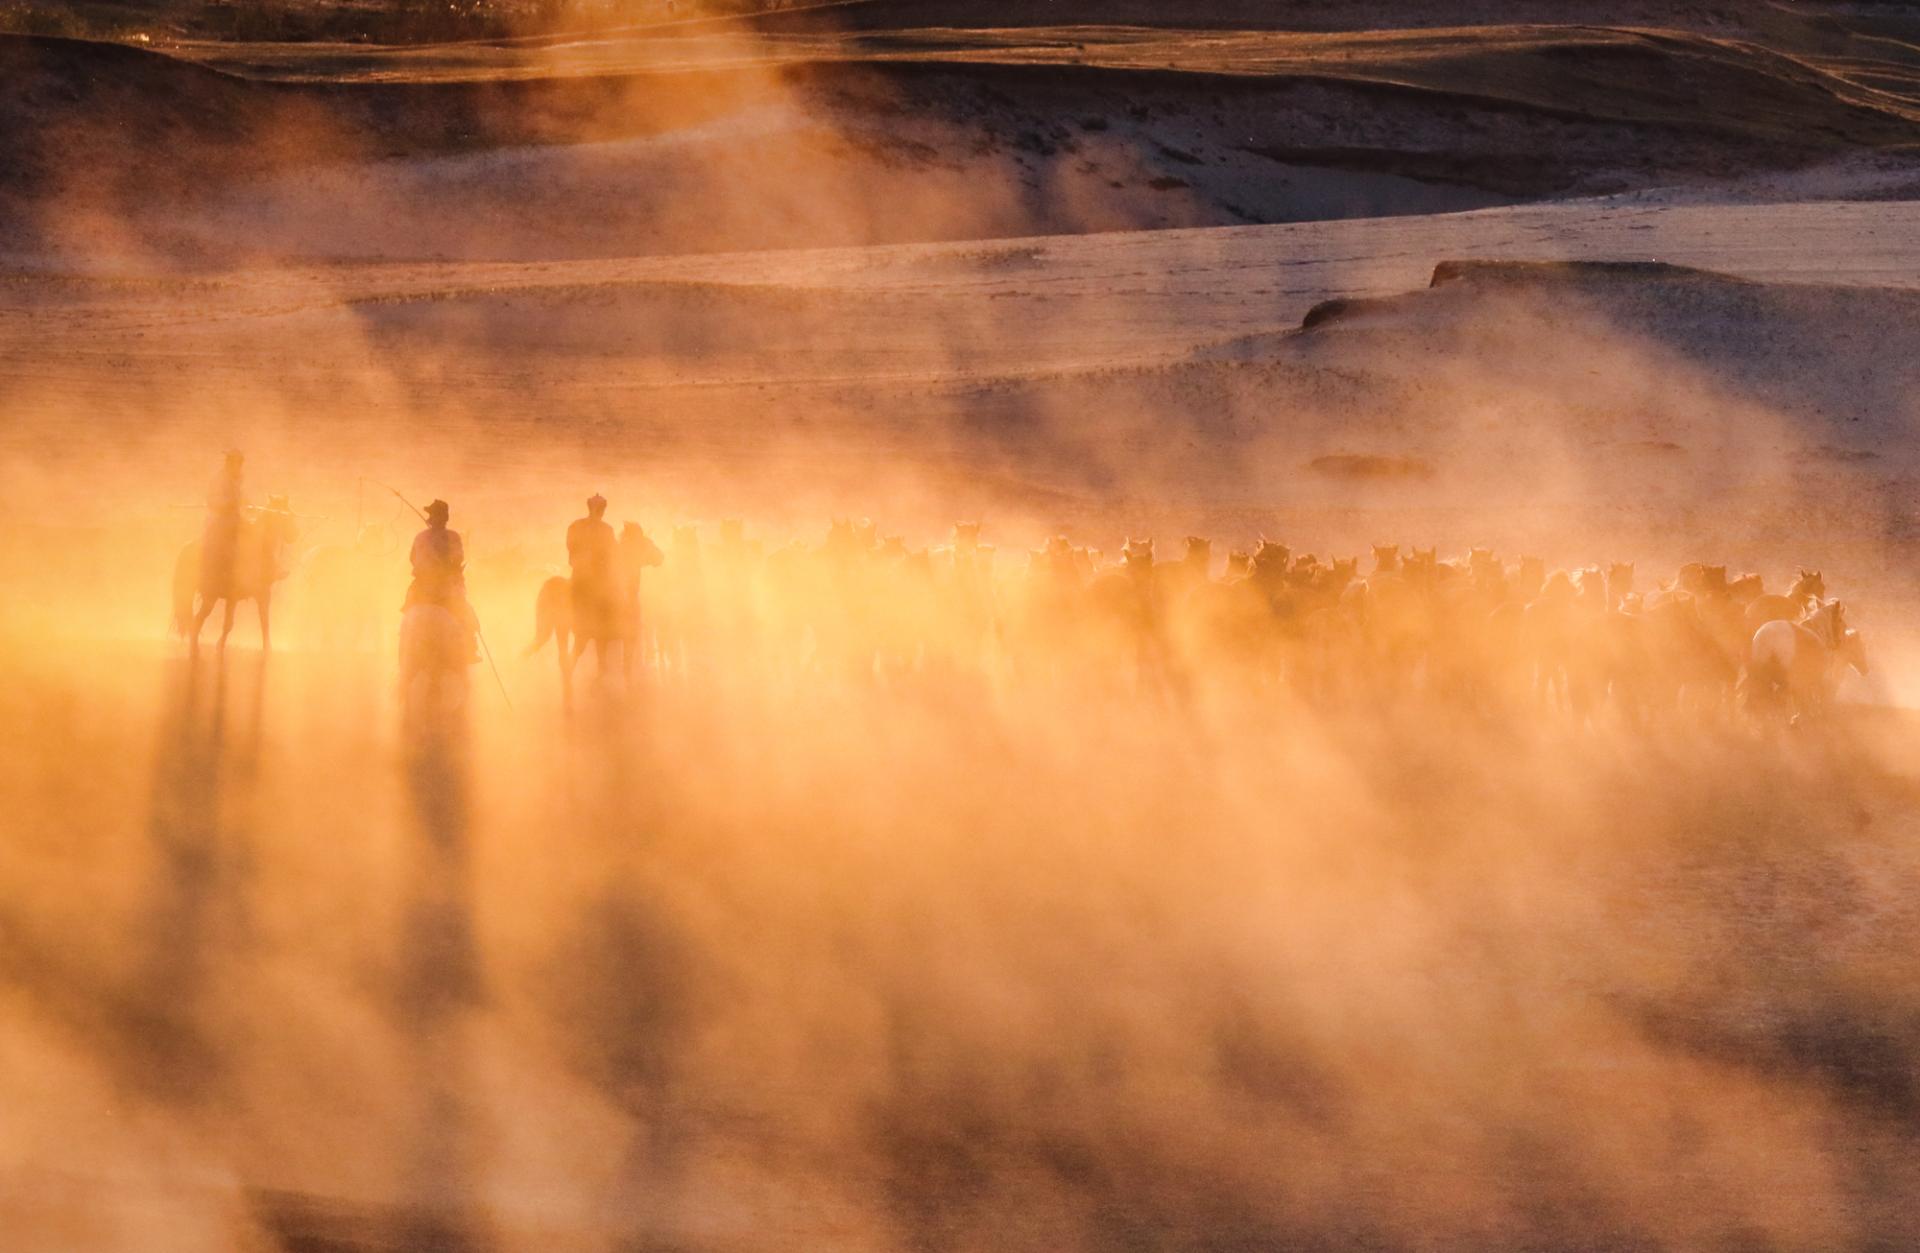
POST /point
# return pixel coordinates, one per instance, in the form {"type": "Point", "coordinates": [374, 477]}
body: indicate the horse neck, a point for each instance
{"type": "Point", "coordinates": [1824, 624]}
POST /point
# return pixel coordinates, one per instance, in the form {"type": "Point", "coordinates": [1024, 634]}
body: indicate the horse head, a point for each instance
{"type": "Point", "coordinates": [1271, 560]}
{"type": "Point", "coordinates": [1591, 585]}
{"type": "Point", "coordinates": [1386, 558]}
{"type": "Point", "coordinates": [1619, 581]}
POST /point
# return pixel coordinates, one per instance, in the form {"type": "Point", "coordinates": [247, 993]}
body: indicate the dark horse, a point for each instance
{"type": "Point", "coordinates": [257, 562]}
{"type": "Point", "coordinates": [573, 624]}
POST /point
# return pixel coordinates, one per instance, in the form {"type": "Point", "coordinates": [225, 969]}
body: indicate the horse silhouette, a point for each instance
{"type": "Point", "coordinates": [256, 561]}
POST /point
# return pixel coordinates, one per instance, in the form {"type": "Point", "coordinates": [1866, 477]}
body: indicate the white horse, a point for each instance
{"type": "Point", "coordinates": [1803, 661]}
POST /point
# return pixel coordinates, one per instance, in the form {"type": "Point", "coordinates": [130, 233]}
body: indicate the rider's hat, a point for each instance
{"type": "Point", "coordinates": [596, 500]}
{"type": "Point", "coordinates": [437, 509]}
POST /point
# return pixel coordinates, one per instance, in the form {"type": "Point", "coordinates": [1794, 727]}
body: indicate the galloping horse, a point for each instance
{"type": "Point", "coordinates": [255, 563]}
{"type": "Point", "coordinates": [1802, 659]}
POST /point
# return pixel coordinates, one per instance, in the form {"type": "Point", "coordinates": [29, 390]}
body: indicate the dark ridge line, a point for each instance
{"type": "Point", "coordinates": [1448, 273]}
{"type": "Point", "coordinates": [1471, 269]}
{"type": "Point", "coordinates": [1671, 46]}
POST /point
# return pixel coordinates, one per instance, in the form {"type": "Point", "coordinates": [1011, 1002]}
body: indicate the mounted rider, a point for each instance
{"type": "Point", "coordinates": [593, 553]}
{"type": "Point", "coordinates": [226, 514]}
{"type": "Point", "coordinates": [439, 560]}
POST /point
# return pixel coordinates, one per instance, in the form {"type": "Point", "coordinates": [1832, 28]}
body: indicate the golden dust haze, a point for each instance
{"type": "Point", "coordinates": [907, 896]}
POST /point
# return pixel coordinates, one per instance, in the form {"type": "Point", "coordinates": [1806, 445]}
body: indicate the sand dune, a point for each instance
{"type": "Point", "coordinates": [699, 137]}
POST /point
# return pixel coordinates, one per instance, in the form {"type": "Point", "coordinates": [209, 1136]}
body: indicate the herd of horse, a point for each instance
{"type": "Point", "coordinates": [1476, 630]}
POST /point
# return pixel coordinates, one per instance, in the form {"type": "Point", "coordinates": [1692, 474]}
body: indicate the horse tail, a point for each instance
{"type": "Point", "coordinates": [186, 582]}
{"type": "Point", "coordinates": [549, 610]}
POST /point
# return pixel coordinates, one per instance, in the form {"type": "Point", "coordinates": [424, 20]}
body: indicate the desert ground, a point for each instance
{"type": "Point", "coordinates": [1001, 937]}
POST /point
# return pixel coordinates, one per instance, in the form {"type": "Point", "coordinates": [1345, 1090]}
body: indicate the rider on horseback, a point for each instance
{"type": "Point", "coordinates": [593, 553]}
{"type": "Point", "coordinates": [226, 510]}
{"type": "Point", "coordinates": [440, 573]}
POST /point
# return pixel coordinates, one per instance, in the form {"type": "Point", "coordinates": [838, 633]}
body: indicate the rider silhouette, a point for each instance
{"type": "Point", "coordinates": [226, 509]}
{"type": "Point", "coordinates": [439, 560]}
{"type": "Point", "coordinates": [593, 553]}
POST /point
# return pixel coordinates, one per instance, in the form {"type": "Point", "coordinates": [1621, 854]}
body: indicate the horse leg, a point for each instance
{"type": "Point", "coordinates": [563, 642]}
{"type": "Point", "coordinates": [264, 605]}
{"type": "Point", "coordinates": [200, 616]}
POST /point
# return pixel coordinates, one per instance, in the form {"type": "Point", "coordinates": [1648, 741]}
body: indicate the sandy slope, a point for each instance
{"type": "Point", "coordinates": [702, 137]}
{"type": "Point", "coordinates": [1053, 373]}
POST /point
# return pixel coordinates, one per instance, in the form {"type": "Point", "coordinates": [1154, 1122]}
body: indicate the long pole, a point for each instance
{"type": "Point", "coordinates": [488, 652]}
{"type": "Point", "coordinates": [417, 512]}
{"type": "Point", "coordinates": [480, 634]}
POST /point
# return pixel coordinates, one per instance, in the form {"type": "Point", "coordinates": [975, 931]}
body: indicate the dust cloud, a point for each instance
{"type": "Point", "coordinates": [905, 898]}
{"type": "Point", "coordinates": [878, 915]}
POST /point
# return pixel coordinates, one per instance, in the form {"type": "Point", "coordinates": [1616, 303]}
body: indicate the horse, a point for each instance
{"type": "Point", "coordinates": [553, 619]}
{"type": "Point", "coordinates": [1619, 583]}
{"type": "Point", "coordinates": [434, 647]}
{"type": "Point", "coordinates": [1130, 614]}
{"type": "Point", "coordinates": [1808, 588]}
{"type": "Point", "coordinates": [616, 620]}
{"type": "Point", "coordinates": [253, 564]}
{"type": "Point", "coordinates": [1801, 660]}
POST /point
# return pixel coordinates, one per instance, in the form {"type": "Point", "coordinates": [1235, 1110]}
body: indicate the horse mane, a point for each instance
{"type": "Point", "coordinates": [1827, 620]}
